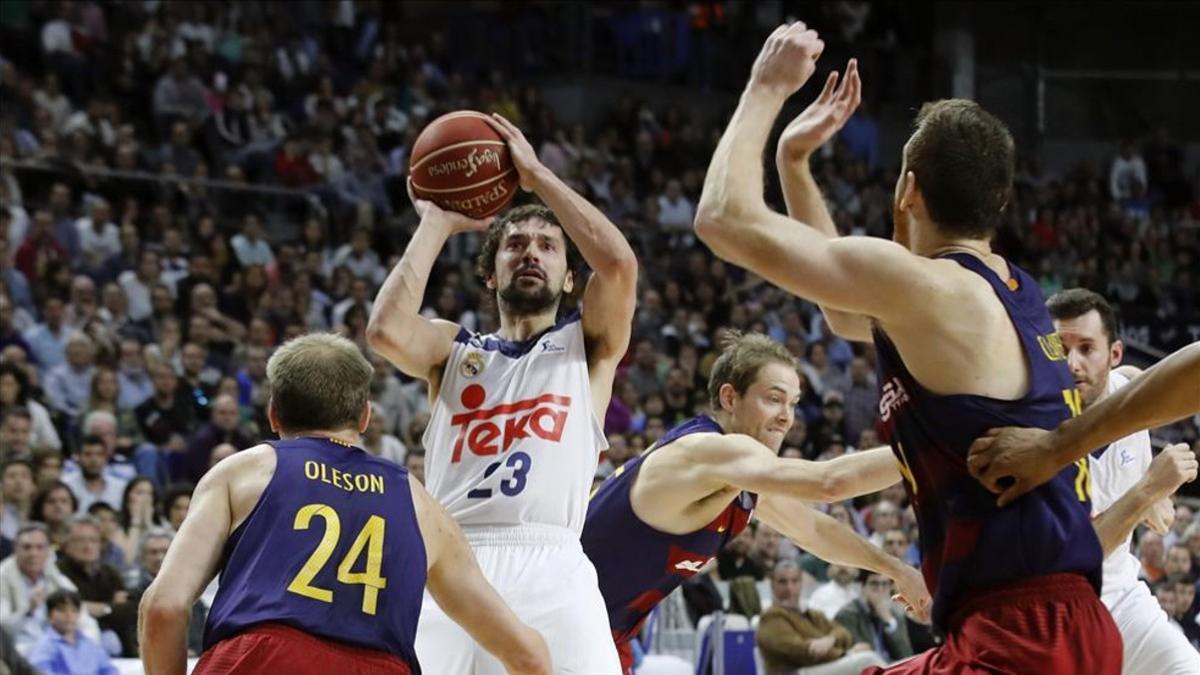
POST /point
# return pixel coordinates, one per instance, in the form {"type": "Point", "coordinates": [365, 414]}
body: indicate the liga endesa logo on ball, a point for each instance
{"type": "Point", "coordinates": [468, 165]}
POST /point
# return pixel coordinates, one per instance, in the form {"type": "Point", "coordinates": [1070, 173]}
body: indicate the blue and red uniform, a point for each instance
{"type": "Point", "coordinates": [1014, 589]}
{"type": "Point", "coordinates": [329, 568]}
{"type": "Point", "coordinates": [636, 565]}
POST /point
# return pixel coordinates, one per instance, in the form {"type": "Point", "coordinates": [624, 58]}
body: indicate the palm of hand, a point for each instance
{"type": "Point", "coordinates": [825, 116]}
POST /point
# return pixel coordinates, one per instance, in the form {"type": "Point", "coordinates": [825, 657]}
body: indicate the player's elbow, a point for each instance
{"type": "Point", "coordinates": [378, 336]}
{"type": "Point", "coordinates": [158, 607]}
{"type": "Point", "coordinates": [713, 226]}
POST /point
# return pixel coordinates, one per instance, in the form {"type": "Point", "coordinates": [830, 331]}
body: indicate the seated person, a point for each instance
{"type": "Point", "coordinates": [876, 620]}
{"type": "Point", "coordinates": [65, 648]}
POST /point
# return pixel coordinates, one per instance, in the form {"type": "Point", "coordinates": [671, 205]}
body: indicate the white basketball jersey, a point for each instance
{"type": "Point", "coordinates": [512, 437]}
{"type": "Point", "coordinates": [1114, 470]}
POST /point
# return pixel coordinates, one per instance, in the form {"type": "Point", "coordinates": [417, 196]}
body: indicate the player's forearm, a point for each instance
{"type": "Point", "coordinates": [802, 195]}
{"type": "Point", "coordinates": [1116, 524]}
{"type": "Point", "coordinates": [400, 297]}
{"type": "Point", "coordinates": [733, 186]}
{"type": "Point", "coordinates": [860, 473]}
{"type": "Point", "coordinates": [1165, 393]}
{"type": "Point", "coordinates": [601, 244]}
{"type": "Point", "coordinates": [838, 544]}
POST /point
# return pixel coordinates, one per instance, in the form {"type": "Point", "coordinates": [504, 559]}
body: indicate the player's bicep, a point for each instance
{"type": "Point", "coordinates": [195, 552]}
{"type": "Point", "coordinates": [607, 313]}
{"type": "Point", "coordinates": [420, 349]}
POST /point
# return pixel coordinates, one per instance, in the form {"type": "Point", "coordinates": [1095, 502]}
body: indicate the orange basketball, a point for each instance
{"type": "Point", "coordinates": [461, 164]}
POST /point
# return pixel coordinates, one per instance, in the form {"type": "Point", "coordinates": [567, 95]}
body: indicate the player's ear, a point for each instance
{"type": "Point", "coordinates": [490, 282]}
{"type": "Point", "coordinates": [272, 416]}
{"type": "Point", "coordinates": [1116, 352]}
{"type": "Point", "coordinates": [364, 418]}
{"type": "Point", "coordinates": [908, 192]}
{"type": "Point", "coordinates": [568, 283]}
{"type": "Point", "coordinates": [726, 395]}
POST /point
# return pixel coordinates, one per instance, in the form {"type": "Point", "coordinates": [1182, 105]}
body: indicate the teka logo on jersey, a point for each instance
{"type": "Point", "coordinates": [493, 430]}
{"type": "Point", "coordinates": [892, 398]}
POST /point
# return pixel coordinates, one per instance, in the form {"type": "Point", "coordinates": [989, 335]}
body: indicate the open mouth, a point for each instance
{"type": "Point", "coordinates": [530, 273]}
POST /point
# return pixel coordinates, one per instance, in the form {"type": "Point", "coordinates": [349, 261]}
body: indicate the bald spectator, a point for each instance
{"type": "Point", "coordinates": [69, 384]}
{"type": "Point", "coordinates": [791, 638]}
{"type": "Point", "coordinates": [222, 427]}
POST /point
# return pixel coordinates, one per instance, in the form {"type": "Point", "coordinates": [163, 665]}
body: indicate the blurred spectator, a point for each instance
{"type": "Point", "coordinates": [48, 340]}
{"type": "Point", "coordinates": [381, 444]}
{"type": "Point", "coordinates": [734, 560]}
{"type": "Point", "coordinates": [875, 620]}
{"type": "Point", "coordinates": [99, 584]}
{"type": "Point", "coordinates": [1184, 516]}
{"type": "Point", "coordinates": [53, 505]}
{"type": "Point", "coordinates": [176, 500]}
{"type": "Point", "coordinates": [180, 94]}
{"type": "Point", "coordinates": [414, 461]}
{"type": "Point", "coordinates": [27, 578]}
{"type": "Point", "coordinates": [841, 588]}
{"type": "Point", "coordinates": [16, 495]}
{"type": "Point", "coordinates": [15, 394]}
{"type": "Point", "coordinates": [790, 638]}
{"type": "Point", "coordinates": [133, 379]}
{"type": "Point", "coordinates": [222, 427]}
{"type": "Point", "coordinates": [152, 549]}
{"type": "Point", "coordinates": [65, 649]}
{"type": "Point", "coordinates": [1152, 556]}
{"type": "Point", "coordinates": [1127, 174]}
{"type": "Point", "coordinates": [95, 481]}
{"type": "Point", "coordinates": [249, 245]}
{"type": "Point", "coordinates": [861, 399]}
{"type": "Point", "coordinates": [112, 550]}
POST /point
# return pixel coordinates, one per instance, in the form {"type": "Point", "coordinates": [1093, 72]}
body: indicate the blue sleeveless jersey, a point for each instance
{"type": "Point", "coordinates": [332, 548]}
{"type": "Point", "coordinates": [637, 565]}
{"type": "Point", "coordinates": [967, 543]}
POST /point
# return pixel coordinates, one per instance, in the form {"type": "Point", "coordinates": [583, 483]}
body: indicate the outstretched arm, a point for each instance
{"type": "Point", "coordinates": [417, 346]}
{"type": "Point", "coordinates": [803, 136]}
{"type": "Point", "coordinates": [460, 589]}
{"type": "Point", "coordinates": [610, 297]}
{"type": "Point", "coordinates": [1173, 467]}
{"type": "Point", "coordinates": [832, 541]}
{"type": "Point", "coordinates": [1029, 457]}
{"type": "Point", "coordinates": [190, 565]}
{"type": "Point", "coordinates": [859, 275]}
{"type": "Point", "coordinates": [721, 460]}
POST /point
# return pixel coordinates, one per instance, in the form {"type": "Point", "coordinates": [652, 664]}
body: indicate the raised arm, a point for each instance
{"type": "Point", "coordinates": [417, 346]}
{"type": "Point", "coordinates": [190, 565]}
{"type": "Point", "coordinates": [1029, 457]}
{"type": "Point", "coordinates": [811, 129]}
{"type": "Point", "coordinates": [859, 275]}
{"type": "Point", "coordinates": [832, 541]}
{"type": "Point", "coordinates": [1173, 467]}
{"type": "Point", "coordinates": [460, 589]}
{"type": "Point", "coordinates": [610, 297]}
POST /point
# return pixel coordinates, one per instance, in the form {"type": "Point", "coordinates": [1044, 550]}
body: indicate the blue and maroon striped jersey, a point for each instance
{"type": "Point", "coordinates": [332, 548]}
{"type": "Point", "coordinates": [637, 565]}
{"type": "Point", "coordinates": [966, 542]}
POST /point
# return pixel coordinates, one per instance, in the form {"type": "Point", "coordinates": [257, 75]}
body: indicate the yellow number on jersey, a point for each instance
{"type": "Point", "coordinates": [369, 537]}
{"type": "Point", "coordinates": [1083, 480]}
{"type": "Point", "coordinates": [906, 471]}
{"type": "Point", "coordinates": [302, 584]}
{"type": "Point", "coordinates": [1071, 396]}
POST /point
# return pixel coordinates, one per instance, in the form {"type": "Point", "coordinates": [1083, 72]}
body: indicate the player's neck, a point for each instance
{"type": "Point", "coordinates": [929, 242]}
{"type": "Point", "coordinates": [343, 437]}
{"type": "Point", "coordinates": [521, 328]}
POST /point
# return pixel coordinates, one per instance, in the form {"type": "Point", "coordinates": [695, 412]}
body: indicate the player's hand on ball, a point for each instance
{"type": "Point", "coordinates": [454, 222]}
{"type": "Point", "coordinates": [911, 592]}
{"type": "Point", "coordinates": [824, 117]}
{"type": "Point", "coordinates": [788, 59]}
{"type": "Point", "coordinates": [1160, 516]}
{"type": "Point", "coordinates": [1012, 461]}
{"type": "Point", "coordinates": [1173, 467]}
{"type": "Point", "coordinates": [524, 157]}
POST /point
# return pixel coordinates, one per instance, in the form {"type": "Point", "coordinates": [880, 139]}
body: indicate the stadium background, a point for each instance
{"type": "Point", "coordinates": [183, 185]}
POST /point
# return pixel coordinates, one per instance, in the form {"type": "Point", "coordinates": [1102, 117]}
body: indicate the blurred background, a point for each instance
{"type": "Point", "coordinates": [184, 185]}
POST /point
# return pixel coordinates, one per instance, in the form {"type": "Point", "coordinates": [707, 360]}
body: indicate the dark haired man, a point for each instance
{"type": "Point", "coordinates": [1087, 325]}
{"type": "Point", "coordinates": [342, 585]}
{"type": "Point", "coordinates": [964, 344]}
{"type": "Point", "coordinates": [514, 439]}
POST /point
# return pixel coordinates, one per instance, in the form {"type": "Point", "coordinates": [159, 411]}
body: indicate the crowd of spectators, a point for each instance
{"type": "Point", "coordinates": [137, 316]}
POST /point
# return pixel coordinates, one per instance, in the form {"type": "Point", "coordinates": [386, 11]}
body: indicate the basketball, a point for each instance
{"type": "Point", "coordinates": [461, 164]}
